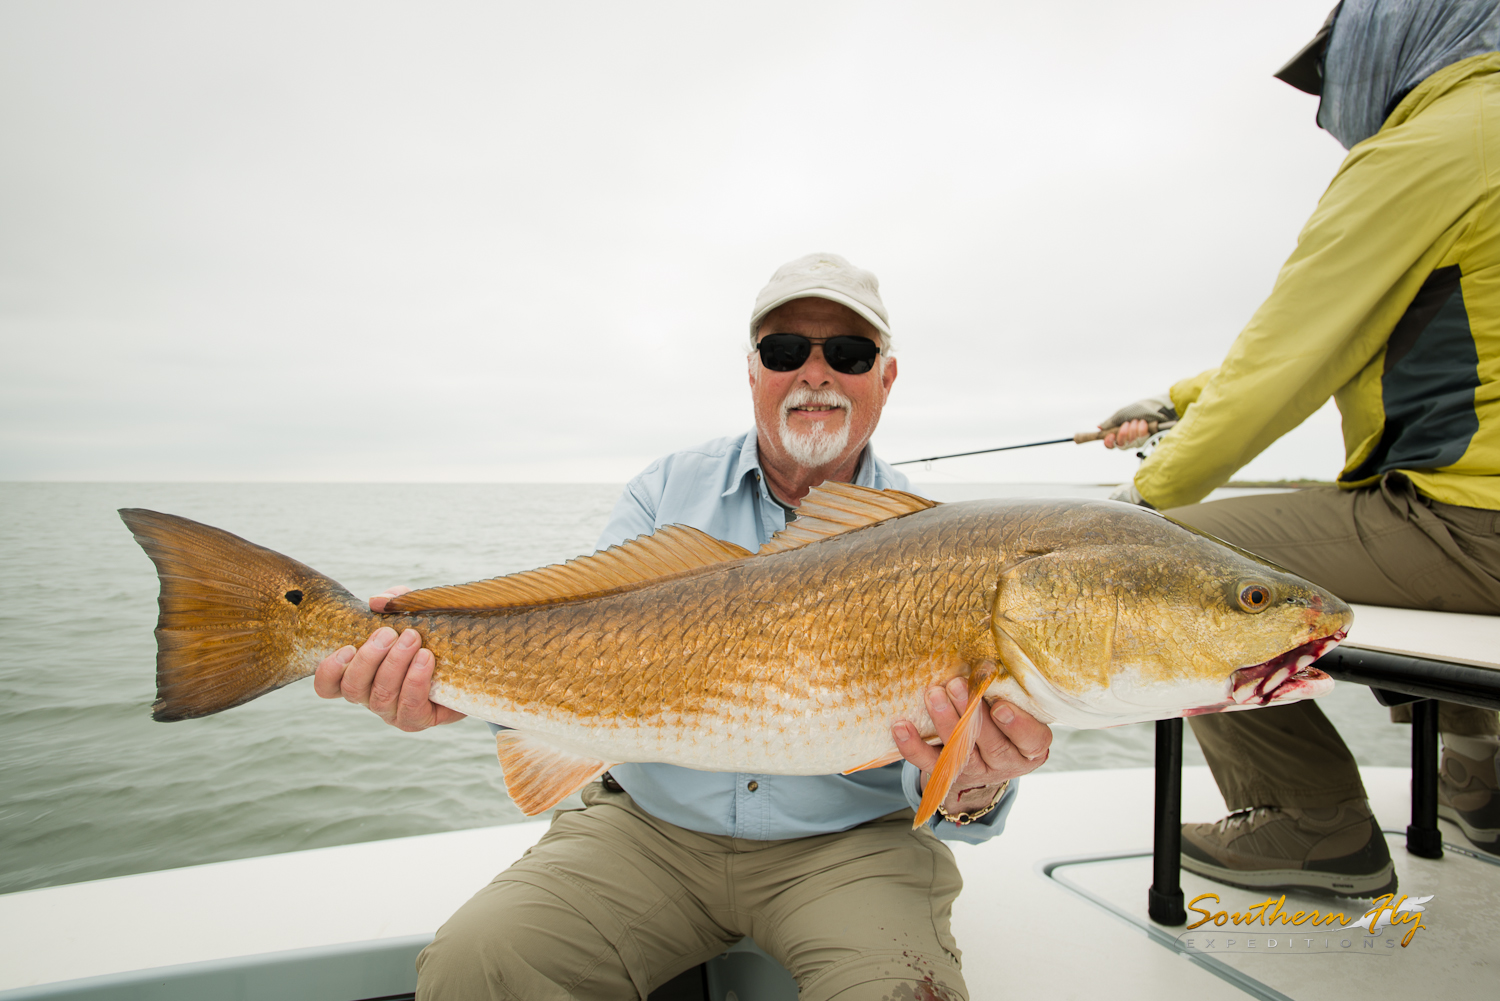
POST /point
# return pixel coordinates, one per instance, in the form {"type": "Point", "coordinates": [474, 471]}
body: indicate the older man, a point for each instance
{"type": "Point", "coordinates": [666, 866]}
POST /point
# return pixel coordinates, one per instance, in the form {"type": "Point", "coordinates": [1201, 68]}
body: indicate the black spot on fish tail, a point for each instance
{"type": "Point", "coordinates": [294, 596]}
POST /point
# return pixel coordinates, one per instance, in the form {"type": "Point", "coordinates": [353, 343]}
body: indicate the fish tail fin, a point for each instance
{"type": "Point", "coordinates": [955, 753]}
{"type": "Point", "coordinates": [227, 631]}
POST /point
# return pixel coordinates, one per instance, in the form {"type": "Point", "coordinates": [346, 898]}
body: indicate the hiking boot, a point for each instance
{"type": "Point", "coordinates": [1469, 795]}
{"type": "Point", "coordinates": [1334, 849]}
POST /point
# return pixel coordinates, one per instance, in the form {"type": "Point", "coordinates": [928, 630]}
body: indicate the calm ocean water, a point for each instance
{"type": "Point", "coordinates": [90, 787]}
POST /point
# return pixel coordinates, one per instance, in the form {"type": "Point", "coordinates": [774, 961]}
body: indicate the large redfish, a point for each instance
{"type": "Point", "coordinates": [680, 648]}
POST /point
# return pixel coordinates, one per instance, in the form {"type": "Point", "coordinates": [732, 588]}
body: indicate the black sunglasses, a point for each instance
{"type": "Point", "coordinates": [846, 354]}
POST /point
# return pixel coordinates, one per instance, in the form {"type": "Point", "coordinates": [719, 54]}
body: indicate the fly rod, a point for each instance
{"type": "Point", "coordinates": [1152, 427]}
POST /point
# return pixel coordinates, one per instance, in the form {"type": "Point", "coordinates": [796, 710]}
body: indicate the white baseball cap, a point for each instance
{"type": "Point", "coordinates": [824, 276]}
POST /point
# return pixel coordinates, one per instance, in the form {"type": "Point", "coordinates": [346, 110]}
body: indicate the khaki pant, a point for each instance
{"type": "Point", "coordinates": [613, 902]}
{"type": "Point", "coordinates": [1384, 545]}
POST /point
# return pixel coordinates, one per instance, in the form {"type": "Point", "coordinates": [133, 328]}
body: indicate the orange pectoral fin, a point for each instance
{"type": "Point", "coordinates": [886, 759]}
{"type": "Point", "coordinates": [955, 753]}
{"type": "Point", "coordinates": [880, 762]}
{"type": "Point", "coordinates": [538, 775]}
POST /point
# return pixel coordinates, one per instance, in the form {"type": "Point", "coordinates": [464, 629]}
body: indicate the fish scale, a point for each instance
{"type": "Point", "coordinates": [616, 665]}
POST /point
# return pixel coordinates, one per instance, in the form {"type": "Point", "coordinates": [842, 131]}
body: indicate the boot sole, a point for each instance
{"type": "Point", "coordinates": [1336, 884]}
{"type": "Point", "coordinates": [1483, 838]}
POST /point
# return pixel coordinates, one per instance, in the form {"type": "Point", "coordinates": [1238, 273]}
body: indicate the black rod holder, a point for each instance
{"type": "Point", "coordinates": [1422, 835]}
{"type": "Point", "coordinates": [1418, 677]}
{"type": "Point", "coordinates": [1164, 899]}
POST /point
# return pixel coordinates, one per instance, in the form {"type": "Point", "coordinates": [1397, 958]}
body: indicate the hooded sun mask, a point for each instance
{"type": "Point", "coordinates": [1380, 49]}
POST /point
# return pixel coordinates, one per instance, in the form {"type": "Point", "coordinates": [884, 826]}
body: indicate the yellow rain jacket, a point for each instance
{"type": "Point", "coordinates": [1390, 304]}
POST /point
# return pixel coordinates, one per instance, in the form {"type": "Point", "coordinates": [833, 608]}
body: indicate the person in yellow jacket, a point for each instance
{"type": "Point", "coordinates": [1391, 305]}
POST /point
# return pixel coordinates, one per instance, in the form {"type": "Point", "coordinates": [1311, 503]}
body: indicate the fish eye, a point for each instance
{"type": "Point", "coordinates": [1255, 597]}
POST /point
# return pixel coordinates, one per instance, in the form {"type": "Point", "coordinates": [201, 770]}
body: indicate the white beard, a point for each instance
{"type": "Point", "coordinates": [817, 447]}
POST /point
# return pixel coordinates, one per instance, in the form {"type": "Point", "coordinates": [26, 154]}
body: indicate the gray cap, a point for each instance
{"type": "Point", "coordinates": [824, 276]}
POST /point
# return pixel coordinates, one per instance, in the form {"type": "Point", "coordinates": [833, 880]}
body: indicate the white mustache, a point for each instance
{"type": "Point", "coordinates": [803, 397]}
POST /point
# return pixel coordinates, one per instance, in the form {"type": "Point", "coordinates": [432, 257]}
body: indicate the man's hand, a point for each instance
{"type": "Point", "coordinates": [1131, 434]}
{"type": "Point", "coordinates": [390, 675]}
{"type": "Point", "coordinates": [1011, 743]}
{"type": "Point", "coordinates": [1129, 422]}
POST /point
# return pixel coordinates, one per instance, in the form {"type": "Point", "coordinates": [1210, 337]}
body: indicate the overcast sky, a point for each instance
{"type": "Point", "coordinates": [507, 241]}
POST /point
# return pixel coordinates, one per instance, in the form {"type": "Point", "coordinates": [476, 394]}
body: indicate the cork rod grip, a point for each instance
{"type": "Point", "coordinates": [1151, 427]}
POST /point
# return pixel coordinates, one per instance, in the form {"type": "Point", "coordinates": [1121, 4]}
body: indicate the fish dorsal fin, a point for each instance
{"type": "Point", "coordinates": [673, 550]}
{"type": "Point", "coordinates": [835, 508]}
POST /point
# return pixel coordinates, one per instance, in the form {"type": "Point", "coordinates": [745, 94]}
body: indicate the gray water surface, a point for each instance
{"type": "Point", "coordinates": [91, 787]}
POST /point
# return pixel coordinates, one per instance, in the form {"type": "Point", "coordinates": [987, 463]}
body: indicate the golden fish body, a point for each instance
{"type": "Point", "coordinates": [685, 650]}
{"type": "Point", "coordinates": [792, 663]}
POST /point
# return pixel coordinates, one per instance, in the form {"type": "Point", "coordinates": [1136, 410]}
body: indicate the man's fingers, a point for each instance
{"type": "Point", "coordinates": [1010, 741]}
{"type": "Point", "coordinates": [944, 714]}
{"type": "Point", "coordinates": [977, 762]}
{"type": "Point", "coordinates": [958, 694]}
{"type": "Point", "coordinates": [330, 673]}
{"type": "Point", "coordinates": [946, 706]}
{"type": "Point", "coordinates": [415, 709]}
{"type": "Point", "coordinates": [913, 748]}
{"type": "Point", "coordinates": [1128, 435]}
{"type": "Point", "coordinates": [377, 603]}
{"type": "Point", "coordinates": [390, 676]}
{"type": "Point", "coordinates": [993, 751]}
{"type": "Point", "coordinates": [1031, 737]}
{"type": "Point", "coordinates": [355, 684]}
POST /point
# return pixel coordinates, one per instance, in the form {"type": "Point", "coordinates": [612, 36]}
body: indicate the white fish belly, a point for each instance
{"type": "Point", "coordinates": [821, 733]}
{"type": "Point", "coordinates": [1127, 699]}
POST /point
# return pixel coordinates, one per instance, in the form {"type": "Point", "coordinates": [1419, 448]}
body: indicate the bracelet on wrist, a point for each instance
{"type": "Point", "coordinates": [969, 816]}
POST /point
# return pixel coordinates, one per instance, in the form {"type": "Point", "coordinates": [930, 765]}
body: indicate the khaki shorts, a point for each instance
{"type": "Point", "coordinates": [613, 902]}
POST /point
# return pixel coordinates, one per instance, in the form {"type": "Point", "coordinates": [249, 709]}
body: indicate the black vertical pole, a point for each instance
{"type": "Point", "coordinates": [1164, 899]}
{"type": "Point", "coordinates": [1422, 836]}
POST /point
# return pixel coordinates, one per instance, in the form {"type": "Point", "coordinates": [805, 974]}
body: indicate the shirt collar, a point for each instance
{"type": "Point", "coordinates": [749, 463]}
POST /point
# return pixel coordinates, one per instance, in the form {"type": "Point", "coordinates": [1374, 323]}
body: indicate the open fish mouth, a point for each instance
{"type": "Point", "coordinates": [1287, 677]}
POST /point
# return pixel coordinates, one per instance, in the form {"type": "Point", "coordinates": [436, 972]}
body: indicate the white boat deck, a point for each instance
{"type": "Point", "coordinates": [1024, 934]}
{"type": "Point", "coordinates": [1468, 639]}
{"type": "Point", "coordinates": [1039, 946]}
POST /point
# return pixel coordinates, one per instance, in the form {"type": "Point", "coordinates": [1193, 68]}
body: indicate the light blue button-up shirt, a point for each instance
{"type": "Point", "coordinates": [719, 488]}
